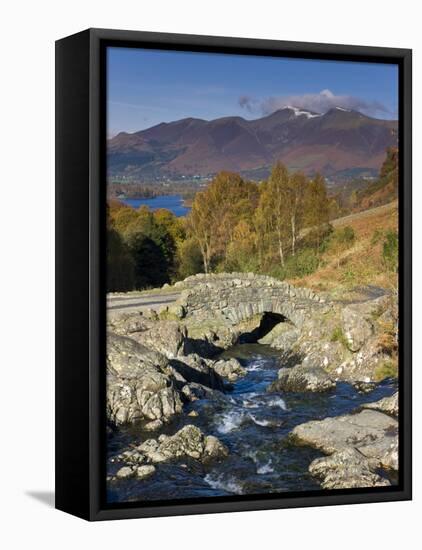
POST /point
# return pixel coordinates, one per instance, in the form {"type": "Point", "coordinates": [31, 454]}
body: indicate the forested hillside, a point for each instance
{"type": "Point", "coordinates": [279, 227]}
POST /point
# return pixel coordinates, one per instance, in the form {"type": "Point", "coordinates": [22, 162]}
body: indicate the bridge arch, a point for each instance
{"type": "Point", "coordinates": [238, 297]}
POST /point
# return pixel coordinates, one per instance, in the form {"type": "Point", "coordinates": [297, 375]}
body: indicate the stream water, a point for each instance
{"type": "Point", "coordinates": [254, 425]}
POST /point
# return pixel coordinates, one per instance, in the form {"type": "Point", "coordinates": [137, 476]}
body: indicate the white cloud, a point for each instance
{"type": "Point", "coordinates": [319, 103]}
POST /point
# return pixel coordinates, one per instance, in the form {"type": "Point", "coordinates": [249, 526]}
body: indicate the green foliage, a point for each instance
{"type": "Point", "coordinates": [141, 248]}
{"type": "Point", "coordinates": [120, 267]}
{"type": "Point", "coordinates": [338, 336]}
{"type": "Point", "coordinates": [151, 267]}
{"type": "Point", "coordinates": [390, 250]}
{"type": "Point", "coordinates": [189, 258]}
{"type": "Point", "coordinates": [122, 217]}
{"type": "Point", "coordinates": [386, 369]}
{"type": "Point", "coordinates": [345, 235]}
{"type": "Point", "coordinates": [318, 239]}
{"type": "Point", "coordinates": [305, 262]}
{"type": "Point", "coordinates": [302, 263]}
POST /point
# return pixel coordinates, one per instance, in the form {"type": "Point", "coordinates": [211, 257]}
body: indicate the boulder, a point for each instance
{"type": "Point", "coordinates": [346, 469]}
{"type": "Point", "coordinates": [142, 472]}
{"type": "Point", "coordinates": [194, 391]}
{"type": "Point", "coordinates": [281, 337]}
{"type": "Point", "coordinates": [388, 405]}
{"type": "Point", "coordinates": [138, 387]}
{"type": "Point", "coordinates": [372, 433]}
{"type": "Point", "coordinates": [189, 441]}
{"type": "Point", "coordinates": [230, 369]}
{"type": "Point", "coordinates": [193, 368]}
{"type": "Point", "coordinates": [125, 472]}
{"type": "Point", "coordinates": [299, 378]}
{"type": "Point", "coordinates": [364, 386]}
{"type": "Point", "coordinates": [164, 336]}
{"type": "Point", "coordinates": [356, 324]}
{"type": "Point", "coordinates": [153, 425]}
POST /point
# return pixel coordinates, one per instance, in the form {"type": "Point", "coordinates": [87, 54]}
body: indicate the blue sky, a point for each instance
{"type": "Point", "coordinates": [146, 87]}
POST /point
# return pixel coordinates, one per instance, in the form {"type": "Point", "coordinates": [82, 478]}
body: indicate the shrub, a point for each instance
{"type": "Point", "coordinates": [338, 336]}
{"type": "Point", "coordinates": [340, 239]}
{"type": "Point", "coordinates": [387, 340]}
{"type": "Point", "coordinates": [345, 235]}
{"type": "Point", "coordinates": [305, 262]}
{"type": "Point", "coordinates": [387, 369]}
{"type": "Point", "coordinates": [390, 250]}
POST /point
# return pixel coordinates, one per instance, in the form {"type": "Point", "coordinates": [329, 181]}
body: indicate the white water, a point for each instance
{"type": "Point", "coordinates": [219, 482]}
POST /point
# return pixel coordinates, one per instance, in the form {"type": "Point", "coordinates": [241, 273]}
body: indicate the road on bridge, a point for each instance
{"type": "Point", "coordinates": [139, 302]}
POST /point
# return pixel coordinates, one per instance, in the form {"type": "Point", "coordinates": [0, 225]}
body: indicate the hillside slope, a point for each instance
{"type": "Point", "coordinates": [336, 141]}
{"type": "Point", "coordinates": [362, 263]}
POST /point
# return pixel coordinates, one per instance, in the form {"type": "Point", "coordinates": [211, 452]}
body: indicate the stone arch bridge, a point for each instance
{"type": "Point", "coordinates": [236, 297]}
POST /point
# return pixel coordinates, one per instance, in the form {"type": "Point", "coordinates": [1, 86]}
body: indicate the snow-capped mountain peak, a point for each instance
{"type": "Point", "coordinates": [300, 112]}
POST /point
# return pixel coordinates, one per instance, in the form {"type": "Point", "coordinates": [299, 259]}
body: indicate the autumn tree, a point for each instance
{"type": "Point", "coordinates": [122, 217]}
{"type": "Point", "coordinates": [272, 215]}
{"type": "Point", "coordinates": [199, 225]}
{"type": "Point", "coordinates": [316, 207]}
{"type": "Point", "coordinates": [217, 211]}
{"type": "Point", "coordinates": [120, 265]}
{"type": "Point", "coordinates": [189, 258]}
{"type": "Point", "coordinates": [152, 247]}
{"type": "Point", "coordinates": [120, 268]}
{"type": "Point", "coordinates": [241, 251]}
{"type": "Point", "coordinates": [295, 199]}
{"type": "Point", "coordinates": [174, 225]}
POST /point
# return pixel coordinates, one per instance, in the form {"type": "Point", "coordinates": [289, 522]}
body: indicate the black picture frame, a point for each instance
{"type": "Point", "coordinates": [80, 271]}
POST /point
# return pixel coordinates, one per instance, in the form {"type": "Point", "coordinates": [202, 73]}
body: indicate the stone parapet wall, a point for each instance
{"type": "Point", "coordinates": [239, 296]}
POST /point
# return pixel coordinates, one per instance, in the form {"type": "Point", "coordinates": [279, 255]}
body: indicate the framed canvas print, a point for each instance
{"type": "Point", "coordinates": [233, 274]}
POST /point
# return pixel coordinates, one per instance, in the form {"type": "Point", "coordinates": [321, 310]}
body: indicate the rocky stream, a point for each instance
{"type": "Point", "coordinates": [210, 408]}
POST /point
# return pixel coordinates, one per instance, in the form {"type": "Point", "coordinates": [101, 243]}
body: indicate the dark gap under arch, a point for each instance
{"type": "Point", "coordinates": [268, 322]}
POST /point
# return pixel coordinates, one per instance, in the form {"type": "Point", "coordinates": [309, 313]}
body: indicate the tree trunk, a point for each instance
{"type": "Point", "coordinates": [293, 224]}
{"type": "Point", "coordinates": [204, 257]}
{"type": "Point", "coordinates": [280, 249]}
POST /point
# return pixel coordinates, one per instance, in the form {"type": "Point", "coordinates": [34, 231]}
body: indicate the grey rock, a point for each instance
{"type": "Point", "coordinates": [281, 337]}
{"type": "Point", "coordinates": [363, 386]}
{"type": "Point", "coordinates": [153, 425]}
{"type": "Point", "coordinates": [388, 405]}
{"type": "Point", "coordinates": [356, 325]}
{"type": "Point", "coordinates": [143, 472]}
{"type": "Point", "coordinates": [373, 433]}
{"type": "Point", "coordinates": [193, 392]}
{"type": "Point", "coordinates": [346, 469]}
{"type": "Point", "coordinates": [189, 441]}
{"type": "Point", "coordinates": [138, 387]}
{"type": "Point", "coordinates": [214, 448]}
{"type": "Point", "coordinates": [299, 378]}
{"type": "Point", "coordinates": [230, 369]}
{"type": "Point", "coordinates": [164, 336]}
{"type": "Point", "coordinates": [125, 472]}
{"type": "Point", "coordinates": [196, 369]}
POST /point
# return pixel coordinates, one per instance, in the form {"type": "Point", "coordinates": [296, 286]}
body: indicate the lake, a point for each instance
{"type": "Point", "coordinates": [174, 203]}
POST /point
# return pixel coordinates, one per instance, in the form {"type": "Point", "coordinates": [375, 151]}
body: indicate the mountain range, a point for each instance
{"type": "Point", "coordinates": [334, 143]}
